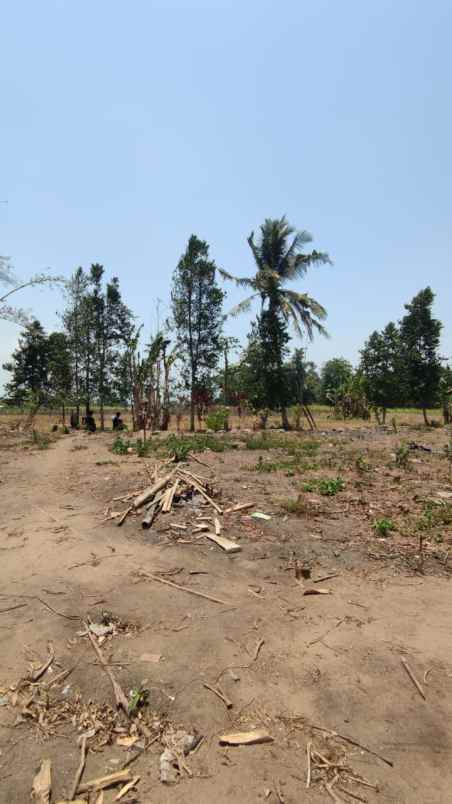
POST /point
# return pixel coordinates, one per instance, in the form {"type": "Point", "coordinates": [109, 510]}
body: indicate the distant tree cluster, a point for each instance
{"type": "Point", "coordinates": [81, 365]}
{"type": "Point", "coordinates": [97, 358]}
{"type": "Point", "coordinates": [399, 366]}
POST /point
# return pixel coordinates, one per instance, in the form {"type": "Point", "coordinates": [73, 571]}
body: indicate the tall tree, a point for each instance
{"type": "Point", "coordinates": [382, 369]}
{"type": "Point", "coordinates": [112, 326]}
{"type": "Point", "coordinates": [29, 366]}
{"type": "Point", "coordinates": [75, 321]}
{"type": "Point", "coordinates": [59, 375]}
{"type": "Point", "coordinates": [420, 338]}
{"type": "Point", "coordinates": [98, 325]}
{"type": "Point", "coordinates": [280, 257]}
{"type": "Point", "coordinates": [335, 373]}
{"type": "Point", "coordinates": [197, 311]}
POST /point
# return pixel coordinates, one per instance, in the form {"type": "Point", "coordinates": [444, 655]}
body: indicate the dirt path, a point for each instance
{"type": "Point", "coordinates": [334, 660]}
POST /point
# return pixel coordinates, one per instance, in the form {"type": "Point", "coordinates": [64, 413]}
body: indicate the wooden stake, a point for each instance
{"type": "Point", "coordinates": [413, 678]}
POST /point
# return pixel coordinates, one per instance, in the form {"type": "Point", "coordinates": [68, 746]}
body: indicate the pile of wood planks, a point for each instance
{"type": "Point", "coordinates": [178, 484]}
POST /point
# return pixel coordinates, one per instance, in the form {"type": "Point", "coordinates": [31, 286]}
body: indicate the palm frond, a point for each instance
{"type": "Point", "coordinates": [304, 312]}
{"type": "Point", "coordinates": [243, 306]}
{"type": "Point", "coordinates": [240, 281]}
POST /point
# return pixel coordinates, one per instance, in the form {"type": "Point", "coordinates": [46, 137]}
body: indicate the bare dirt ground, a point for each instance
{"type": "Point", "coordinates": [299, 666]}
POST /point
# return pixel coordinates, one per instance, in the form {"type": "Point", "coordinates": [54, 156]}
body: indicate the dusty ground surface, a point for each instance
{"type": "Point", "coordinates": [289, 662]}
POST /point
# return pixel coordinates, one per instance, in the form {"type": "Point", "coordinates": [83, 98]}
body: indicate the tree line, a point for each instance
{"type": "Point", "coordinates": [98, 357]}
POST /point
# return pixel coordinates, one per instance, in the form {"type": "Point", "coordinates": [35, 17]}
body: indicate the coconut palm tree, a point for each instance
{"type": "Point", "coordinates": [280, 257]}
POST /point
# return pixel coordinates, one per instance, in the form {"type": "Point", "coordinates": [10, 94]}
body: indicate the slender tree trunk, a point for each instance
{"type": "Point", "coordinates": [424, 413]}
{"type": "Point", "coordinates": [384, 415]}
{"type": "Point", "coordinates": [226, 377]}
{"type": "Point", "coordinates": [284, 418]}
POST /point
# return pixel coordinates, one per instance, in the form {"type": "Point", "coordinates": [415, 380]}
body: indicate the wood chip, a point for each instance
{"type": "Point", "coordinates": [42, 783]}
{"type": "Point", "coordinates": [226, 544]}
{"type": "Point", "coordinates": [255, 737]}
{"type": "Point", "coordinates": [317, 591]}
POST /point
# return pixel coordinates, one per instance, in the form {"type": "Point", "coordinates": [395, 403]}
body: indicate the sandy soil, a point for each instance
{"type": "Point", "coordinates": [288, 662]}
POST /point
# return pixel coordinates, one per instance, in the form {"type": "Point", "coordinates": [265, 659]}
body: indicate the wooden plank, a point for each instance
{"type": "Point", "coordinates": [226, 544]}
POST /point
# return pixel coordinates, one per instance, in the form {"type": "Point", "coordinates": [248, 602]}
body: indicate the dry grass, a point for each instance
{"type": "Point", "coordinates": [323, 415]}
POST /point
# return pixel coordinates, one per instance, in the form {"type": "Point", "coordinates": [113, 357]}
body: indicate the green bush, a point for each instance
{"type": "Point", "coordinates": [119, 447]}
{"type": "Point", "coordinates": [331, 487]}
{"type": "Point", "coordinates": [218, 419]}
{"type": "Point", "coordinates": [384, 526]}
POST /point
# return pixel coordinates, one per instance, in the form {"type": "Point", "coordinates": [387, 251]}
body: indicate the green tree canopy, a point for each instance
{"type": "Point", "coordinates": [335, 373]}
{"type": "Point", "coordinates": [197, 303]}
{"type": "Point", "coordinates": [420, 338]}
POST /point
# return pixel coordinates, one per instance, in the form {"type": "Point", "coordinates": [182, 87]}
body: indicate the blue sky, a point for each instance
{"type": "Point", "coordinates": [128, 126]}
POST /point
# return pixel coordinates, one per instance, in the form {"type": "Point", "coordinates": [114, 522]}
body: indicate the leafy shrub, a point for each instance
{"type": "Point", "coordinates": [40, 440]}
{"type": "Point", "coordinates": [402, 456]}
{"type": "Point", "coordinates": [383, 526]}
{"type": "Point", "coordinates": [119, 446]}
{"type": "Point", "coordinates": [331, 487]}
{"type": "Point", "coordinates": [218, 419]}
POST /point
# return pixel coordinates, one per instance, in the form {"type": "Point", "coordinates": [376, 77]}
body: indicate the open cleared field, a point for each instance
{"type": "Point", "coordinates": [361, 514]}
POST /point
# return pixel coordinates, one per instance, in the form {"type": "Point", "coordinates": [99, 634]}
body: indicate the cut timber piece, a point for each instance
{"type": "Point", "coordinates": [146, 495]}
{"type": "Point", "coordinates": [246, 738]}
{"type": "Point", "coordinates": [217, 524]}
{"type": "Point", "coordinates": [106, 781]}
{"type": "Point", "coordinates": [260, 515]}
{"type": "Point", "coordinates": [239, 507]}
{"type": "Point", "coordinates": [225, 544]}
{"type": "Point", "coordinates": [167, 505]}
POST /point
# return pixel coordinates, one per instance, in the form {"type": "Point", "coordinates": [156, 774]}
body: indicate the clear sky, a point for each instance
{"type": "Point", "coordinates": [125, 127]}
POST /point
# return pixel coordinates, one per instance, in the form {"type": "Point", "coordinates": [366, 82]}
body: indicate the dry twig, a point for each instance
{"type": "Point", "coordinates": [80, 770]}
